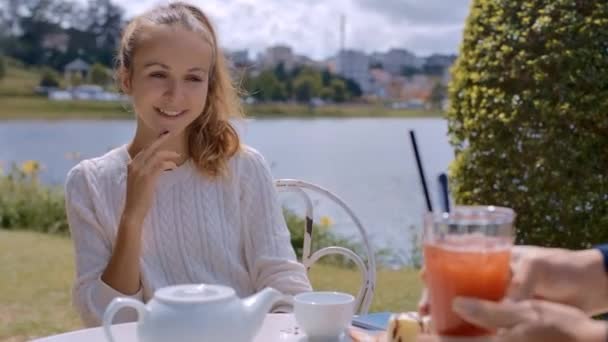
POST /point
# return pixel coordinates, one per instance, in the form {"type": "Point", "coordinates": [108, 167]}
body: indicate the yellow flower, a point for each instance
{"type": "Point", "coordinates": [30, 167]}
{"type": "Point", "coordinates": [326, 221]}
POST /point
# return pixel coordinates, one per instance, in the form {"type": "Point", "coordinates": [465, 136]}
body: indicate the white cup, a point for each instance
{"type": "Point", "coordinates": [324, 316]}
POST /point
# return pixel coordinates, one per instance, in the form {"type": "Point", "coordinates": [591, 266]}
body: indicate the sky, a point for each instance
{"type": "Point", "coordinates": [312, 27]}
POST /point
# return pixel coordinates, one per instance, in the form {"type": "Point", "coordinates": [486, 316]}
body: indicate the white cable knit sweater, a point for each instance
{"type": "Point", "coordinates": [199, 230]}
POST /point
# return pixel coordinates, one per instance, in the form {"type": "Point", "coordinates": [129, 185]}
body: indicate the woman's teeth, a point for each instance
{"type": "Point", "coordinates": [170, 112]}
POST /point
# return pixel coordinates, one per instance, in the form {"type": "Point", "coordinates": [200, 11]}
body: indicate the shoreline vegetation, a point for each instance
{"type": "Point", "coordinates": [19, 101]}
{"type": "Point", "coordinates": [40, 108]}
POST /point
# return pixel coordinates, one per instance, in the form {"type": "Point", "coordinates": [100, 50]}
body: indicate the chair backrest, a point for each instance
{"type": "Point", "coordinates": [367, 268]}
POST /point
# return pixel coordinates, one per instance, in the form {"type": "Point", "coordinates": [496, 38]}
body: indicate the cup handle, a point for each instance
{"type": "Point", "coordinates": [114, 307]}
{"type": "Point", "coordinates": [288, 300]}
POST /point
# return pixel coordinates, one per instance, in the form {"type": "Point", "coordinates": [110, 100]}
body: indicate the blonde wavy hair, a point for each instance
{"type": "Point", "coordinates": [212, 139]}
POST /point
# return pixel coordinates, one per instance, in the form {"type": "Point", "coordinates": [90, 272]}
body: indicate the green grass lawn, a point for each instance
{"type": "Point", "coordinates": [37, 272]}
{"type": "Point", "coordinates": [34, 107]}
{"type": "Point", "coordinates": [18, 81]}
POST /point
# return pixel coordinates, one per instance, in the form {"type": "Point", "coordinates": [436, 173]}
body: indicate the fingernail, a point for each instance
{"type": "Point", "coordinates": [464, 305]}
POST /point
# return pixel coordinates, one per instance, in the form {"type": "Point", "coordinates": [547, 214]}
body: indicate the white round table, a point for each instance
{"type": "Point", "coordinates": [276, 327]}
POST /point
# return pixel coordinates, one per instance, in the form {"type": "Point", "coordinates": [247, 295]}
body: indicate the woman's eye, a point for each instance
{"type": "Point", "coordinates": [157, 75]}
{"type": "Point", "coordinates": [194, 79]}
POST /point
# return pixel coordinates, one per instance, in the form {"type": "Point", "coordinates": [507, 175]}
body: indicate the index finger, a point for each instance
{"type": "Point", "coordinates": [156, 144]}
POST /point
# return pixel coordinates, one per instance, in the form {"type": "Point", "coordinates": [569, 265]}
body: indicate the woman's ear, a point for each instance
{"type": "Point", "coordinates": [125, 81]}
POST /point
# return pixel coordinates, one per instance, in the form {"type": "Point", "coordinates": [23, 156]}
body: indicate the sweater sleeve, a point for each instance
{"type": "Point", "coordinates": [93, 249]}
{"type": "Point", "coordinates": [270, 257]}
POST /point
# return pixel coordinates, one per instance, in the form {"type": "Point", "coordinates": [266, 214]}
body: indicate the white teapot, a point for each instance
{"type": "Point", "coordinates": [189, 313]}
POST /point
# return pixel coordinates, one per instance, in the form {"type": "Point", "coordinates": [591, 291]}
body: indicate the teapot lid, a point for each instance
{"type": "Point", "coordinates": [194, 293]}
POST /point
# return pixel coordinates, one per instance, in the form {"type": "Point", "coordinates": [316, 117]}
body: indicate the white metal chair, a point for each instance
{"type": "Point", "coordinates": [367, 268]}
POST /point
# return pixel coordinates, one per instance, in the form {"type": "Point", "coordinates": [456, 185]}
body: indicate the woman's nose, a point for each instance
{"type": "Point", "coordinates": [174, 90]}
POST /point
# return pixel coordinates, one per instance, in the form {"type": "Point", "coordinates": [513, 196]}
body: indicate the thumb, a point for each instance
{"type": "Point", "coordinates": [488, 314]}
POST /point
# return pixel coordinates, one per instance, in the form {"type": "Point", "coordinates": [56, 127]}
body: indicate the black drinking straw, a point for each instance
{"type": "Point", "coordinates": [429, 206]}
{"type": "Point", "coordinates": [443, 188]}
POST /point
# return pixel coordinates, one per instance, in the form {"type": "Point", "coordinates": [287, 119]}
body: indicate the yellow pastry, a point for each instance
{"type": "Point", "coordinates": [403, 327]}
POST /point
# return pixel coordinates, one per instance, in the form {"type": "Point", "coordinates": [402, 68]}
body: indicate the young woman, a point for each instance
{"type": "Point", "coordinates": [184, 201]}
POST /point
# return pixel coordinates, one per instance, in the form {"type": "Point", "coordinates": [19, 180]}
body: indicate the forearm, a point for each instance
{"type": "Point", "coordinates": [123, 272]}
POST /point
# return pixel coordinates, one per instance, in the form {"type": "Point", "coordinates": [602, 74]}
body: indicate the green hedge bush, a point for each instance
{"type": "Point", "coordinates": [529, 117]}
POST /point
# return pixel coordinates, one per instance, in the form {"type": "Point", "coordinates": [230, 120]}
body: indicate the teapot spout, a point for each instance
{"type": "Point", "coordinates": [258, 305]}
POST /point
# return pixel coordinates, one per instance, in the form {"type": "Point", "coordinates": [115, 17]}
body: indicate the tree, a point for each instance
{"type": "Point", "coordinates": [28, 22]}
{"type": "Point", "coordinates": [100, 75]}
{"type": "Point", "coordinates": [327, 93]}
{"type": "Point", "coordinates": [288, 88]}
{"type": "Point", "coordinates": [408, 71]}
{"type": "Point", "coordinates": [248, 85]}
{"type": "Point", "coordinates": [339, 90]}
{"type": "Point", "coordinates": [312, 76]}
{"type": "Point", "coordinates": [76, 79]}
{"type": "Point", "coordinates": [352, 87]}
{"type": "Point", "coordinates": [49, 78]}
{"type": "Point", "coordinates": [438, 94]}
{"type": "Point", "coordinates": [29, 30]}
{"type": "Point", "coordinates": [326, 78]}
{"type": "Point", "coordinates": [433, 70]}
{"type": "Point", "coordinates": [280, 73]}
{"type": "Point", "coordinates": [106, 21]}
{"type": "Point", "coordinates": [304, 88]}
{"type": "Point", "coordinates": [2, 67]}
{"type": "Point", "coordinates": [266, 87]}
{"type": "Point", "coordinates": [278, 93]}
{"type": "Point", "coordinates": [527, 118]}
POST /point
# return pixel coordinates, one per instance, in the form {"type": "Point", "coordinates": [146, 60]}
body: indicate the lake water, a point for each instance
{"type": "Point", "coordinates": [369, 163]}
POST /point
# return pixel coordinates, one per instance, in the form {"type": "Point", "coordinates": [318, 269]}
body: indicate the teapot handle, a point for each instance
{"type": "Point", "coordinates": [114, 307]}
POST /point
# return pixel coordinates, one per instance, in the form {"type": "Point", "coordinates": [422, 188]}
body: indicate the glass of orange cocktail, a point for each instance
{"type": "Point", "coordinates": [466, 253]}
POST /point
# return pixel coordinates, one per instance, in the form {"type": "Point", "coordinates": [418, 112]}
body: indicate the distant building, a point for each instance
{"type": "Point", "coordinates": [438, 60]}
{"type": "Point", "coordinates": [275, 55]}
{"type": "Point", "coordinates": [300, 60]}
{"type": "Point", "coordinates": [238, 58]}
{"type": "Point", "coordinates": [395, 89]}
{"type": "Point", "coordinates": [355, 65]}
{"type": "Point", "coordinates": [376, 59]}
{"type": "Point", "coordinates": [380, 83]}
{"type": "Point", "coordinates": [417, 87]}
{"type": "Point", "coordinates": [76, 67]}
{"type": "Point", "coordinates": [330, 64]}
{"type": "Point", "coordinates": [396, 60]}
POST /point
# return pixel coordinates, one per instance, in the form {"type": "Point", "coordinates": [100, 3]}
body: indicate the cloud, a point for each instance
{"type": "Point", "coordinates": [312, 27]}
{"type": "Point", "coordinates": [427, 12]}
